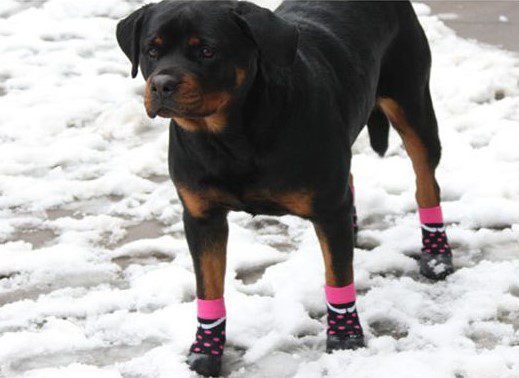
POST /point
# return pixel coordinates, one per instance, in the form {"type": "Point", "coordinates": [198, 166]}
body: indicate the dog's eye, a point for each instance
{"type": "Point", "coordinates": [153, 53]}
{"type": "Point", "coordinates": [207, 52]}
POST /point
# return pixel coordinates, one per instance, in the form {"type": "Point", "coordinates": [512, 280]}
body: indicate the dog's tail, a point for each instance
{"type": "Point", "coordinates": [378, 129]}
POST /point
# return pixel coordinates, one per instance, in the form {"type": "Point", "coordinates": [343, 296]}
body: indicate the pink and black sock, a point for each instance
{"type": "Point", "coordinates": [436, 258]}
{"type": "Point", "coordinates": [210, 335]}
{"type": "Point", "coordinates": [343, 320]}
{"type": "Point", "coordinates": [434, 237]}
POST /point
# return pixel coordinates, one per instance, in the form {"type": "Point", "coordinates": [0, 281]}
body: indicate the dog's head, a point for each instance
{"type": "Point", "coordinates": [197, 56]}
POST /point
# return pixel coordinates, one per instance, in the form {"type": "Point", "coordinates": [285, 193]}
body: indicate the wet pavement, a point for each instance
{"type": "Point", "coordinates": [493, 22]}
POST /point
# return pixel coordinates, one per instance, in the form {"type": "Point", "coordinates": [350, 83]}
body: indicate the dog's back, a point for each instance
{"type": "Point", "coordinates": [356, 47]}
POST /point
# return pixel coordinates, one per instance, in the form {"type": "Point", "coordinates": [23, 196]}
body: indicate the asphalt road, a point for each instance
{"type": "Point", "coordinates": [494, 22]}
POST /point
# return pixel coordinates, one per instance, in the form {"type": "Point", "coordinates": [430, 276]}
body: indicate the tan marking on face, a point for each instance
{"type": "Point", "coordinates": [241, 74]}
{"type": "Point", "coordinates": [147, 97]}
{"type": "Point", "coordinates": [427, 192]}
{"type": "Point", "coordinates": [213, 104]}
{"type": "Point", "coordinates": [189, 86]}
{"type": "Point", "coordinates": [194, 41]}
{"type": "Point", "coordinates": [158, 41]}
{"type": "Point", "coordinates": [216, 123]}
{"type": "Point", "coordinates": [217, 104]}
{"type": "Point", "coordinates": [189, 124]}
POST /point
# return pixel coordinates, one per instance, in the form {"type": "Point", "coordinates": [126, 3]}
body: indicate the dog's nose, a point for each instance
{"type": "Point", "coordinates": [164, 85]}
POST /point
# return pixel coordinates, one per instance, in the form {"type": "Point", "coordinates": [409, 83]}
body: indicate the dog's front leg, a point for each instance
{"type": "Point", "coordinates": [207, 240]}
{"type": "Point", "coordinates": [335, 233]}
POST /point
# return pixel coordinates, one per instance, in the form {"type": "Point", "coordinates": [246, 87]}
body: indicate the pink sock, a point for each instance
{"type": "Point", "coordinates": [211, 309]}
{"type": "Point", "coordinates": [210, 334]}
{"type": "Point", "coordinates": [340, 295]}
{"type": "Point", "coordinates": [343, 319]}
{"type": "Point", "coordinates": [431, 215]}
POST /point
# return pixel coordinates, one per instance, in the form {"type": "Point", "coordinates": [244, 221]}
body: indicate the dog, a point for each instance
{"type": "Point", "coordinates": [264, 109]}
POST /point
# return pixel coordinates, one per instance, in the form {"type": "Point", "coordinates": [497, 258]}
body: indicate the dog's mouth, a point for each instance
{"type": "Point", "coordinates": [188, 104]}
{"type": "Point", "coordinates": [177, 112]}
{"type": "Point", "coordinates": [174, 108]}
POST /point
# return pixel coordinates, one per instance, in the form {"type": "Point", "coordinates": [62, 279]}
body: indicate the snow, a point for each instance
{"type": "Point", "coordinates": [95, 275]}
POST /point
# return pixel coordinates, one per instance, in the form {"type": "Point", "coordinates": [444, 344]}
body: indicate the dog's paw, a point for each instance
{"type": "Point", "coordinates": [334, 342]}
{"type": "Point", "coordinates": [205, 364]}
{"type": "Point", "coordinates": [436, 266]}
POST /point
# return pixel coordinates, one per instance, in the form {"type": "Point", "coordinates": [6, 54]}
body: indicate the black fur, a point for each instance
{"type": "Point", "coordinates": [314, 72]}
{"type": "Point", "coordinates": [378, 128]}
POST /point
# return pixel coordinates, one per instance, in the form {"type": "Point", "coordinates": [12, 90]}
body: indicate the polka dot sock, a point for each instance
{"type": "Point", "coordinates": [343, 320]}
{"type": "Point", "coordinates": [434, 239]}
{"type": "Point", "coordinates": [436, 258]}
{"type": "Point", "coordinates": [210, 337]}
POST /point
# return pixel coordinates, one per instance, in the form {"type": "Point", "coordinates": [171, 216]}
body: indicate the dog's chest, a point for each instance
{"type": "Point", "coordinates": [254, 201]}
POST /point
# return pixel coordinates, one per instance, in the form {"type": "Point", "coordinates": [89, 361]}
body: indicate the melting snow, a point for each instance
{"type": "Point", "coordinates": [95, 275]}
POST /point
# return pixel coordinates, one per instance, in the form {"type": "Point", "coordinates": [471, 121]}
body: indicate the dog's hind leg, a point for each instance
{"type": "Point", "coordinates": [405, 99]}
{"type": "Point", "coordinates": [414, 119]}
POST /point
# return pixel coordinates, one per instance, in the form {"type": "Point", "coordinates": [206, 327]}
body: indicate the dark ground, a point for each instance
{"type": "Point", "coordinates": [481, 20]}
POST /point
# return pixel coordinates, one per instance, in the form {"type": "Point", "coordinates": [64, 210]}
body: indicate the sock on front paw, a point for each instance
{"type": "Point", "coordinates": [210, 334]}
{"type": "Point", "coordinates": [343, 320]}
{"type": "Point", "coordinates": [434, 238]}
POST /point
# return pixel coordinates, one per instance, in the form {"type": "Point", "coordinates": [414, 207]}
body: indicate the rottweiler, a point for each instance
{"type": "Point", "coordinates": [264, 109]}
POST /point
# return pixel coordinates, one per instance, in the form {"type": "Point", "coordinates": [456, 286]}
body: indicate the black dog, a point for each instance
{"type": "Point", "coordinates": [265, 107]}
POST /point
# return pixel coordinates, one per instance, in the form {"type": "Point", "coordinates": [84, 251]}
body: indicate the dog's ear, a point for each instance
{"type": "Point", "coordinates": [275, 38]}
{"type": "Point", "coordinates": [129, 34]}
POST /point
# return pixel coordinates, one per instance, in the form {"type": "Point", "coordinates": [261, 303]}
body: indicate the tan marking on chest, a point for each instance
{"type": "Point", "coordinates": [198, 203]}
{"type": "Point", "coordinates": [298, 203]}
